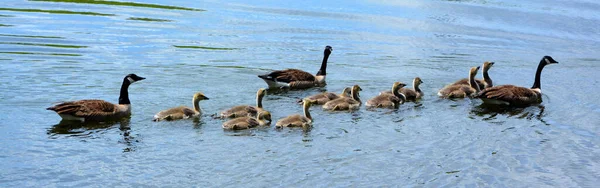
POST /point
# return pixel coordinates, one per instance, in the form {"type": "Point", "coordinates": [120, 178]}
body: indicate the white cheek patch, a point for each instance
{"type": "Point", "coordinates": [130, 79]}
{"type": "Point", "coordinates": [547, 61]}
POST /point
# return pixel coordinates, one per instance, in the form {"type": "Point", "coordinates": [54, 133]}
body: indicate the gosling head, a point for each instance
{"type": "Point", "coordinates": [261, 92]}
{"type": "Point", "coordinates": [347, 92]}
{"type": "Point", "coordinates": [265, 115]}
{"type": "Point", "coordinates": [307, 102]}
{"type": "Point", "coordinates": [487, 65]}
{"type": "Point", "coordinates": [473, 71]}
{"type": "Point", "coordinates": [200, 96]}
{"type": "Point", "coordinates": [131, 78]}
{"type": "Point", "coordinates": [398, 85]}
{"type": "Point", "coordinates": [417, 81]}
{"type": "Point", "coordinates": [356, 89]}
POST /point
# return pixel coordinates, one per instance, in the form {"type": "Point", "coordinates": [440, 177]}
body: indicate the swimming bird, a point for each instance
{"type": "Point", "coordinates": [297, 120]}
{"type": "Point", "coordinates": [245, 110]}
{"type": "Point", "coordinates": [263, 118]}
{"type": "Point", "coordinates": [298, 79]}
{"type": "Point", "coordinates": [325, 97]}
{"type": "Point", "coordinates": [411, 94]}
{"type": "Point", "coordinates": [461, 91]}
{"type": "Point", "coordinates": [182, 112]}
{"type": "Point", "coordinates": [345, 103]}
{"type": "Point", "coordinates": [512, 95]}
{"type": "Point", "coordinates": [98, 110]}
{"type": "Point", "coordinates": [385, 100]}
{"type": "Point", "coordinates": [485, 83]}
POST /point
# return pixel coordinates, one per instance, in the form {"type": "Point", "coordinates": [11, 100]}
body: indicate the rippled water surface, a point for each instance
{"type": "Point", "coordinates": [61, 50]}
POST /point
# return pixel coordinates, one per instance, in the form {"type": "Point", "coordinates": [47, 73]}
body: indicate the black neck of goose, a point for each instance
{"type": "Point", "coordinates": [538, 73]}
{"type": "Point", "coordinates": [323, 70]}
{"type": "Point", "coordinates": [124, 96]}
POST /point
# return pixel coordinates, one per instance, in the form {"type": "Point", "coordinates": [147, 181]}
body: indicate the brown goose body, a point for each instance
{"type": "Point", "coordinates": [261, 119]}
{"type": "Point", "coordinates": [515, 95]}
{"type": "Point", "coordinates": [297, 120]}
{"type": "Point", "coordinates": [345, 103]}
{"type": "Point", "coordinates": [98, 110]}
{"type": "Point", "coordinates": [461, 91]}
{"type": "Point", "coordinates": [246, 110]}
{"type": "Point", "coordinates": [182, 112]}
{"type": "Point", "coordinates": [322, 98]}
{"type": "Point", "coordinates": [385, 100]}
{"type": "Point", "coordinates": [413, 94]}
{"type": "Point", "coordinates": [298, 79]}
{"type": "Point", "coordinates": [482, 83]}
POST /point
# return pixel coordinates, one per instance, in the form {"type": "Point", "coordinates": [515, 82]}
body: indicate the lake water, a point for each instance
{"type": "Point", "coordinates": [60, 50]}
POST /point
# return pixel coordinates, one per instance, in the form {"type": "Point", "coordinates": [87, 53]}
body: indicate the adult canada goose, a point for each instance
{"type": "Point", "coordinates": [461, 91]}
{"type": "Point", "coordinates": [485, 83]}
{"type": "Point", "coordinates": [410, 94]}
{"type": "Point", "coordinates": [385, 100]}
{"type": "Point", "coordinates": [245, 110]}
{"type": "Point", "coordinates": [297, 120]}
{"type": "Point", "coordinates": [182, 112]}
{"type": "Point", "coordinates": [263, 118]}
{"type": "Point", "coordinates": [98, 110]}
{"type": "Point", "coordinates": [345, 103]}
{"type": "Point", "coordinates": [298, 79]}
{"type": "Point", "coordinates": [514, 95]}
{"type": "Point", "coordinates": [325, 97]}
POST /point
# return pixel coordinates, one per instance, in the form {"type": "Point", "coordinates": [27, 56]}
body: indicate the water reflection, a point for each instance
{"type": "Point", "coordinates": [87, 130]}
{"type": "Point", "coordinates": [490, 112]}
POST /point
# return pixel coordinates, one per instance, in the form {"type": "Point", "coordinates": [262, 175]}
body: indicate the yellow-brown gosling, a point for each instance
{"type": "Point", "coordinates": [345, 103]}
{"type": "Point", "coordinates": [413, 94]}
{"type": "Point", "coordinates": [182, 112]}
{"type": "Point", "coordinates": [246, 110]}
{"type": "Point", "coordinates": [461, 91]}
{"type": "Point", "coordinates": [325, 97]}
{"type": "Point", "coordinates": [485, 83]}
{"type": "Point", "coordinates": [297, 120]}
{"type": "Point", "coordinates": [298, 79]}
{"type": "Point", "coordinates": [514, 95]}
{"type": "Point", "coordinates": [98, 110]}
{"type": "Point", "coordinates": [263, 118]}
{"type": "Point", "coordinates": [385, 100]}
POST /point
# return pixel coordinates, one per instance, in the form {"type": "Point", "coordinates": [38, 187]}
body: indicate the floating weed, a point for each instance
{"type": "Point", "coordinates": [55, 11]}
{"type": "Point", "coordinates": [122, 3]}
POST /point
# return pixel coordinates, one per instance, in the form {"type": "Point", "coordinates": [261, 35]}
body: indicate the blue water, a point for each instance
{"type": "Point", "coordinates": [218, 48]}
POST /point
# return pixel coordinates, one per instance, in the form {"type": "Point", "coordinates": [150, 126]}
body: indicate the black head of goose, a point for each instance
{"type": "Point", "coordinates": [98, 110]}
{"type": "Point", "coordinates": [298, 79]}
{"type": "Point", "coordinates": [512, 95]}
